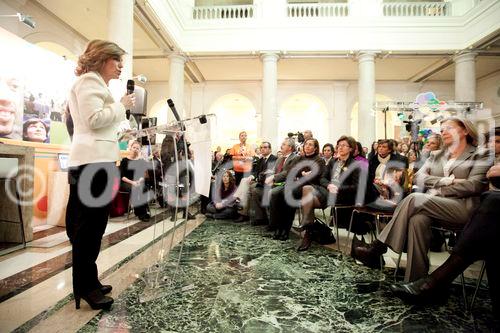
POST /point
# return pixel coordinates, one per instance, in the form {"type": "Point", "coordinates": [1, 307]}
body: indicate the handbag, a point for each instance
{"type": "Point", "coordinates": [321, 233]}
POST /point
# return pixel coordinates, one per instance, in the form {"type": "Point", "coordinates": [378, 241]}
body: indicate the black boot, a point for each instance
{"type": "Point", "coordinates": [369, 254]}
{"type": "Point", "coordinates": [95, 299]}
{"type": "Point", "coordinates": [105, 288]}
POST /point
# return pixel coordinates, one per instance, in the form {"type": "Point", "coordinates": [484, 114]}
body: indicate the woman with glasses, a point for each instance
{"type": "Point", "coordinates": [338, 185]}
{"type": "Point", "coordinates": [453, 179]}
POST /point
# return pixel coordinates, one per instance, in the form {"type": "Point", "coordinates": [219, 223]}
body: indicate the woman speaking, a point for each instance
{"type": "Point", "coordinates": [92, 164]}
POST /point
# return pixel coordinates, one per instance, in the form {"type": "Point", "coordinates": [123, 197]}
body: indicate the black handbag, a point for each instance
{"type": "Point", "coordinates": [321, 233]}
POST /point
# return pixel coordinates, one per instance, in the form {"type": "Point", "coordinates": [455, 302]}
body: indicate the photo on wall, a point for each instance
{"type": "Point", "coordinates": [30, 109]}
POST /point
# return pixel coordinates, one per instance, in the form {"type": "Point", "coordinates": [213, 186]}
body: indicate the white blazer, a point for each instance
{"type": "Point", "coordinates": [96, 116]}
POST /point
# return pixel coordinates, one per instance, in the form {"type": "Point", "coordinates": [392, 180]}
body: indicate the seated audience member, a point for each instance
{"type": "Point", "coordinates": [338, 185]}
{"type": "Point", "coordinates": [359, 155]}
{"type": "Point", "coordinates": [474, 243]}
{"type": "Point", "coordinates": [132, 171]}
{"type": "Point", "coordinates": [155, 175]}
{"type": "Point", "coordinates": [272, 188]}
{"type": "Point", "coordinates": [328, 152]}
{"type": "Point", "coordinates": [310, 166]}
{"type": "Point", "coordinates": [494, 144]}
{"type": "Point", "coordinates": [264, 165]}
{"type": "Point", "coordinates": [223, 204]}
{"type": "Point", "coordinates": [454, 179]}
{"type": "Point", "coordinates": [35, 130]}
{"type": "Point", "coordinates": [219, 165]}
{"type": "Point", "coordinates": [384, 176]}
{"type": "Point", "coordinates": [403, 149]}
{"type": "Point", "coordinates": [433, 144]}
{"type": "Point", "coordinates": [374, 150]}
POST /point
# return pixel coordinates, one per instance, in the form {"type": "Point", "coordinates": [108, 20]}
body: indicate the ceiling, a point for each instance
{"type": "Point", "coordinates": [89, 17]}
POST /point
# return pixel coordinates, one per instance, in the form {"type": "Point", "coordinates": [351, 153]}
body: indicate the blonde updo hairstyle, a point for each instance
{"type": "Point", "coordinates": [96, 54]}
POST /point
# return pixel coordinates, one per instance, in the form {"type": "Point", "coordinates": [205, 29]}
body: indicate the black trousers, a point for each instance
{"type": "Point", "coordinates": [478, 242]}
{"type": "Point", "coordinates": [91, 192]}
{"type": "Point", "coordinates": [281, 214]}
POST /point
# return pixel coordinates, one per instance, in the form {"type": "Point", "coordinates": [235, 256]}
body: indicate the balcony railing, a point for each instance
{"type": "Point", "coordinates": [223, 12]}
{"type": "Point", "coordinates": [416, 9]}
{"type": "Point", "coordinates": [318, 10]}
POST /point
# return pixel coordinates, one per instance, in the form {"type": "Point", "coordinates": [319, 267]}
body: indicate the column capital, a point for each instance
{"type": "Point", "coordinates": [269, 56]}
{"type": "Point", "coordinates": [364, 56]}
{"type": "Point", "coordinates": [464, 57]}
{"type": "Point", "coordinates": [177, 58]}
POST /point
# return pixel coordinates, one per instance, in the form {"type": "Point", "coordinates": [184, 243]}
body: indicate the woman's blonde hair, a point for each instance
{"type": "Point", "coordinates": [467, 125]}
{"type": "Point", "coordinates": [95, 55]}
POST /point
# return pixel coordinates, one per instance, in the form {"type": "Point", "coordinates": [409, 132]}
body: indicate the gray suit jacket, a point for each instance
{"type": "Point", "coordinates": [280, 177]}
{"type": "Point", "coordinates": [469, 170]}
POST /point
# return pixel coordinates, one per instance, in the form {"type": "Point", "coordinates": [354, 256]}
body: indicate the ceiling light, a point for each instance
{"type": "Point", "coordinates": [26, 19]}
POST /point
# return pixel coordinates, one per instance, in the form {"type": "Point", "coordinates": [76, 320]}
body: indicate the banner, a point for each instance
{"type": "Point", "coordinates": [34, 86]}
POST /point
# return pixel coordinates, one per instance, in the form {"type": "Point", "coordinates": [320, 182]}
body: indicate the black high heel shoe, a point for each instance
{"type": "Point", "coordinates": [306, 242]}
{"type": "Point", "coordinates": [105, 289]}
{"type": "Point", "coordinates": [95, 299]}
{"type": "Point", "coordinates": [303, 226]}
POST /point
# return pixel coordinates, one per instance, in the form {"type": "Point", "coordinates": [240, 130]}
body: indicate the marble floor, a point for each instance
{"type": "Point", "coordinates": [224, 277]}
{"type": "Point", "coordinates": [232, 279]}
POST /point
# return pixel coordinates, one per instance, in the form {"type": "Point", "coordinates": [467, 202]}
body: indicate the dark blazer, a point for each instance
{"type": "Point", "coordinates": [290, 162]}
{"type": "Point", "coordinates": [305, 163]}
{"type": "Point", "coordinates": [348, 183]}
{"type": "Point", "coordinates": [262, 165]}
{"type": "Point", "coordinates": [396, 161]}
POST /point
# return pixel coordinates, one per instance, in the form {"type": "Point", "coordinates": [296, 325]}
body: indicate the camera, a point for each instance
{"type": "Point", "coordinates": [299, 135]}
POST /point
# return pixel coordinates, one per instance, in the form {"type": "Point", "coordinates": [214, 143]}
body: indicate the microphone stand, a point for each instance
{"type": "Point", "coordinates": [152, 285]}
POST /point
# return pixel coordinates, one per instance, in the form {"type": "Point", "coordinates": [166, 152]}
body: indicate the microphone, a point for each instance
{"type": "Point", "coordinates": [130, 90]}
{"type": "Point", "coordinates": [174, 111]}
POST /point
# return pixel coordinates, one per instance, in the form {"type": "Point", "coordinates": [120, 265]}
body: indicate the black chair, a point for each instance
{"type": "Point", "coordinates": [334, 218]}
{"type": "Point", "coordinates": [378, 214]}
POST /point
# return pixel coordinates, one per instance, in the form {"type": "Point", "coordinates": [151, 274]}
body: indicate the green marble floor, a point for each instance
{"type": "Point", "coordinates": [232, 279]}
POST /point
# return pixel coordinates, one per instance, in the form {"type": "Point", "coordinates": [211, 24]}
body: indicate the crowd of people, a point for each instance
{"type": "Point", "coordinates": [445, 180]}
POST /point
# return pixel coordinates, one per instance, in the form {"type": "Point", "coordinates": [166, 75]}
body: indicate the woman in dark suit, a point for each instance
{"type": "Point", "coordinates": [308, 170]}
{"type": "Point", "coordinates": [338, 185]}
{"type": "Point", "coordinates": [454, 178]}
{"type": "Point", "coordinates": [92, 164]}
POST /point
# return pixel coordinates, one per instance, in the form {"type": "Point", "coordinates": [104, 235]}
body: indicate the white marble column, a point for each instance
{"type": "Point", "coordinates": [269, 92]}
{"type": "Point", "coordinates": [339, 124]}
{"type": "Point", "coordinates": [465, 77]}
{"type": "Point", "coordinates": [121, 31]}
{"type": "Point", "coordinates": [176, 83]}
{"type": "Point", "coordinates": [366, 97]}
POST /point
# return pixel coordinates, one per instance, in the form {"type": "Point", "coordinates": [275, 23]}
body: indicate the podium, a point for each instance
{"type": "Point", "coordinates": [58, 194]}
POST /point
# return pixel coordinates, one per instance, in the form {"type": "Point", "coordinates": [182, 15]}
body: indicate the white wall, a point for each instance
{"type": "Point", "coordinates": [488, 92]}
{"type": "Point", "coordinates": [202, 96]}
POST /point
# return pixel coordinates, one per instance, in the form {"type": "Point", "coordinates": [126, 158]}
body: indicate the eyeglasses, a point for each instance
{"type": "Point", "coordinates": [262, 147]}
{"type": "Point", "coordinates": [343, 145]}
